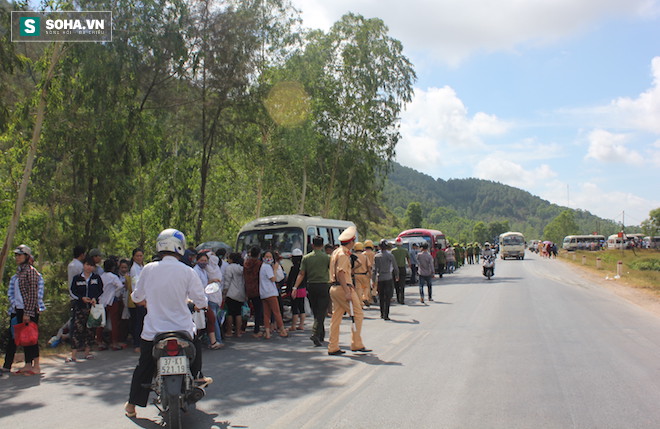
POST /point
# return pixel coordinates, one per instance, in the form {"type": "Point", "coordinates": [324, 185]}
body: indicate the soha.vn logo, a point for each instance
{"type": "Point", "coordinates": [30, 26]}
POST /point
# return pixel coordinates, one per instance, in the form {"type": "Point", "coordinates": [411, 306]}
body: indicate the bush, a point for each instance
{"type": "Point", "coordinates": [646, 264]}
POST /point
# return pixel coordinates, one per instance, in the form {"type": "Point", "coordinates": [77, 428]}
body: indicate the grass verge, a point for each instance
{"type": "Point", "coordinates": [640, 269]}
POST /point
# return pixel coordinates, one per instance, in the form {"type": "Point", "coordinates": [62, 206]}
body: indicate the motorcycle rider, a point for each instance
{"type": "Point", "coordinates": [165, 286]}
{"type": "Point", "coordinates": [488, 254]}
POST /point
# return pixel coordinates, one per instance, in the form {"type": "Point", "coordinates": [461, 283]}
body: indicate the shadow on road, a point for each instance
{"type": "Point", "coordinates": [409, 322]}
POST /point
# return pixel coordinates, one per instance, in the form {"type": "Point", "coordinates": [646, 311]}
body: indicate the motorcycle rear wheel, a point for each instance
{"type": "Point", "coordinates": [173, 412]}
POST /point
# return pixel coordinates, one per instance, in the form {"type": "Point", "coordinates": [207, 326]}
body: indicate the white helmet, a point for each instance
{"type": "Point", "coordinates": [171, 240]}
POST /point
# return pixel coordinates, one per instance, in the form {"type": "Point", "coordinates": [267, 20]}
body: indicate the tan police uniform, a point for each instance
{"type": "Point", "coordinates": [363, 275]}
{"type": "Point", "coordinates": [371, 255]}
{"type": "Point", "coordinates": [340, 262]}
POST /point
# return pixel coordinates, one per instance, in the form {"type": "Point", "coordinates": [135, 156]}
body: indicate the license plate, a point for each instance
{"type": "Point", "coordinates": [171, 365]}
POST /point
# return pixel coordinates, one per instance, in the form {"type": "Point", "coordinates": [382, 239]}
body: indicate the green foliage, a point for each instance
{"type": "Point", "coordinates": [646, 264]}
{"type": "Point", "coordinates": [414, 215]}
{"type": "Point", "coordinates": [561, 226]}
{"type": "Point", "coordinates": [651, 226]}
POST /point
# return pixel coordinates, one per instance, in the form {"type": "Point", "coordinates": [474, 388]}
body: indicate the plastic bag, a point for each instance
{"type": "Point", "coordinates": [96, 317]}
{"type": "Point", "coordinates": [199, 318]}
{"type": "Point", "coordinates": [26, 334]}
{"type": "Point", "coordinates": [245, 311]}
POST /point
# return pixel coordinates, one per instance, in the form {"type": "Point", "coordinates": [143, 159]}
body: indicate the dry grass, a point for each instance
{"type": "Point", "coordinates": [649, 280]}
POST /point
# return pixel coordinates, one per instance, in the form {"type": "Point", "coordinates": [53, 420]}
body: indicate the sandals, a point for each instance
{"type": "Point", "coordinates": [70, 360]}
{"type": "Point", "coordinates": [90, 357]}
{"type": "Point", "coordinates": [216, 346]}
{"type": "Point", "coordinates": [203, 382]}
{"type": "Point", "coordinates": [283, 333]}
{"type": "Point", "coordinates": [130, 411]}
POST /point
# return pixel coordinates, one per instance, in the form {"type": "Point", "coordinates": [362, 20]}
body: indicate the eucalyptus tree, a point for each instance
{"type": "Point", "coordinates": [235, 43]}
{"type": "Point", "coordinates": [106, 120]}
{"type": "Point", "coordinates": [365, 82]}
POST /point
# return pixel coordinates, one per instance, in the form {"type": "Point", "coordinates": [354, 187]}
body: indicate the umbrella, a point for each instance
{"type": "Point", "coordinates": [214, 246]}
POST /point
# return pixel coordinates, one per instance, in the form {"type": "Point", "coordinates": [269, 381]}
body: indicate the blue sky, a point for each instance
{"type": "Point", "coordinates": [557, 97]}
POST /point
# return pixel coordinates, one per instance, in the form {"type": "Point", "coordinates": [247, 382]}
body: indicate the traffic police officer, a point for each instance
{"type": "Point", "coordinates": [342, 292]}
{"type": "Point", "coordinates": [369, 250]}
{"type": "Point", "coordinates": [362, 273]}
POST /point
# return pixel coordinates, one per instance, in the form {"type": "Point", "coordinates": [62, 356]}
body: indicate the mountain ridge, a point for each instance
{"type": "Point", "coordinates": [458, 204]}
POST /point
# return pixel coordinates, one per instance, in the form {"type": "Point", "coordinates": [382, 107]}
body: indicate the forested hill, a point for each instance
{"type": "Point", "coordinates": [455, 205]}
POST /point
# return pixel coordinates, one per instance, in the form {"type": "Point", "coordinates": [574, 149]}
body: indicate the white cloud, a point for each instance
{"type": "Point", "coordinates": [608, 205]}
{"type": "Point", "coordinates": [453, 30]}
{"type": "Point", "coordinates": [436, 126]}
{"type": "Point", "coordinates": [638, 114]}
{"type": "Point", "coordinates": [510, 173]}
{"type": "Point", "coordinates": [609, 147]}
{"type": "Point", "coordinates": [641, 113]}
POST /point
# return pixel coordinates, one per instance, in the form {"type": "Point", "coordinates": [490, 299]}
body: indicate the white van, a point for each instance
{"type": "Point", "coordinates": [284, 233]}
{"type": "Point", "coordinates": [512, 245]}
{"type": "Point", "coordinates": [616, 242]}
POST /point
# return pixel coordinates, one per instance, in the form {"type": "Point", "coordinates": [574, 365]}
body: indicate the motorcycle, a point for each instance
{"type": "Point", "coordinates": [174, 383]}
{"type": "Point", "coordinates": [489, 266]}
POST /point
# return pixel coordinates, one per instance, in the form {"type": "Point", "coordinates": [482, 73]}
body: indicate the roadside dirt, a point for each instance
{"type": "Point", "coordinates": [640, 297]}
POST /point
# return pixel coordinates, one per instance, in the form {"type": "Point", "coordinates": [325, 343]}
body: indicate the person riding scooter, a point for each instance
{"type": "Point", "coordinates": [488, 256]}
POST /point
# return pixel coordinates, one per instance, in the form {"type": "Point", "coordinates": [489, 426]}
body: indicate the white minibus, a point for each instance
{"type": "Point", "coordinates": [583, 242]}
{"type": "Point", "coordinates": [512, 245]}
{"type": "Point", "coordinates": [283, 233]}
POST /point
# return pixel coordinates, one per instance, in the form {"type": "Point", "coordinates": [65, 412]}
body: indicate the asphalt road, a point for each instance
{"type": "Point", "coordinates": [536, 347]}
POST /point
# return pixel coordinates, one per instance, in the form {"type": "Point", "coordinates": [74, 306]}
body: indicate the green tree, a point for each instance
{"type": "Point", "coordinates": [366, 80]}
{"type": "Point", "coordinates": [561, 226]}
{"type": "Point", "coordinates": [496, 228]}
{"type": "Point", "coordinates": [414, 215]}
{"type": "Point", "coordinates": [651, 226]}
{"type": "Point", "coordinates": [480, 232]}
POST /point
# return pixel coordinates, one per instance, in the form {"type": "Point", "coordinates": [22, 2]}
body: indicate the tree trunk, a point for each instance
{"type": "Point", "coordinates": [303, 194]}
{"type": "Point", "coordinates": [29, 163]}
{"type": "Point", "coordinates": [260, 191]}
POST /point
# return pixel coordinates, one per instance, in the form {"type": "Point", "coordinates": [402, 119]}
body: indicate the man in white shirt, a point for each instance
{"type": "Point", "coordinates": [165, 287]}
{"type": "Point", "coordinates": [75, 267]}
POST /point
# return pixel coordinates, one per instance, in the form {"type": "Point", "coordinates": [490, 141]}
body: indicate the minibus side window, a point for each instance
{"type": "Point", "coordinates": [335, 235]}
{"type": "Point", "coordinates": [311, 232]}
{"type": "Point", "coordinates": [323, 232]}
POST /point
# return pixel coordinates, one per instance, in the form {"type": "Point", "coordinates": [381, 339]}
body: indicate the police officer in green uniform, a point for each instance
{"type": "Point", "coordinates": [315, 266]}
{"type": "Point", "coordinates": [402, 258]}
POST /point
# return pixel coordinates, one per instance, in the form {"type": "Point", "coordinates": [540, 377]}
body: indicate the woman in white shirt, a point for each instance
{"type": "Point", "coordinates": [211, 320]}
{"type": "Point", "coordinates": [269, 293]}
{"type": "Point", "coordinates": [137, 263]}
{"type": "Point", "coordinates": [111, 299]}
{"type": "Point", "coordinates": [234, 289]}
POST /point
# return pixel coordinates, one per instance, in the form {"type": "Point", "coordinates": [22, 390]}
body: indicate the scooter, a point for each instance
{"type": "Point", "coordinates": [489, 266]}
{"type": "Point", "coordinates": [174, 383]}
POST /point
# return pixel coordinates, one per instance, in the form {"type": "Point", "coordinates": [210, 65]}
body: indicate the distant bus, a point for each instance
{"type": "Point", "coordinates": [652, 242]}
{"type": "Point", "coordinates": [512, 245]}
{"type": "Point", "coordinates": [436, 239]}
{"type": "Point", "coordinates": [625, 241]}
{"type": "Point", "coordinates": [616, 242]}
{"type": "Point", "coordinates": [284, 233]}
{"type": "Point", "coordinates": [583, 242]}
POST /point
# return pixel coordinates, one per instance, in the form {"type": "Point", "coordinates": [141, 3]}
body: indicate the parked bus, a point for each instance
{"type": "Point", "coordinates": [583, 242]}
{"type": "Point", "coordinates": [624, 241]}
{"type": "Point", "coordinates": [652, 242]}
{"type": "Point", "coordinates": [615, 241]}
{"type": "Point", "coordinates": [435, 238]}
{"type": "Point", "coordinates": [512, 245]}
{"type": "Point", "coordinates": [287, 232]}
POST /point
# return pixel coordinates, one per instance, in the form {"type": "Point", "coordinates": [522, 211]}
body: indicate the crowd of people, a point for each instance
{"type": "Point", "coordinates": [239, 287]}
